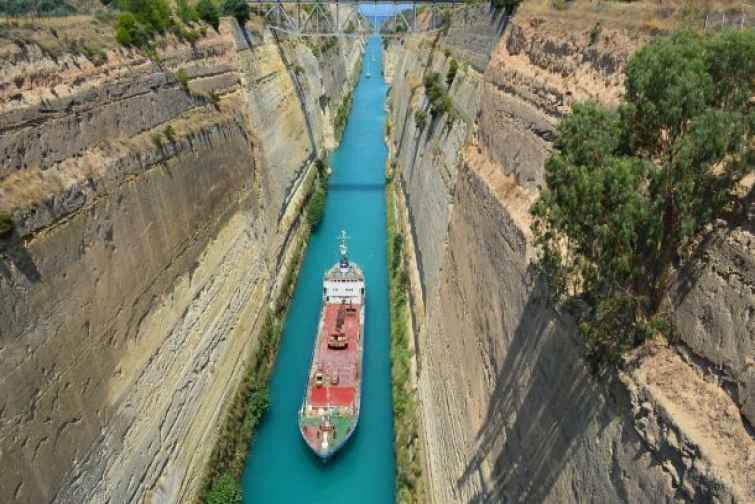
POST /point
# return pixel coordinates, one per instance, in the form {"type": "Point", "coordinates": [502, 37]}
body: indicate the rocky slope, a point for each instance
{"type": "Point", "coordinates": [154, 209]}
{"type": "Point", "coordinates": [509, 411]}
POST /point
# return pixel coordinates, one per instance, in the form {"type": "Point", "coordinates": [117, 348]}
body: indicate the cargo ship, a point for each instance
{"type": "Point", "coordinates": [330, 411]}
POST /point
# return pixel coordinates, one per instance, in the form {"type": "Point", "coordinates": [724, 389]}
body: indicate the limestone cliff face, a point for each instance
{"type": "Point", "coordinates": [153, 219]}
{"type": "Point", "coordinates": [509, 411]}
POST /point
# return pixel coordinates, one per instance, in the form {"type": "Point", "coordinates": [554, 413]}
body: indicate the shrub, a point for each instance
{"type": "Point", "coordinates": [224, 490]}
{"type": "Point", "coordinates": [169, 133]}
{"type": "Point", "coordinates": [6, 225]}
{"type": "Point", "coordinates": [213, 98]}
{"type": "Point", "coordinates": [629, 193]}
{"type": "Point", "coordinates": [420, 118]}
{"type": "Point", "coordinates": [95, 54]}
{"type": "Point", "coordinates": [186, 12]}
{"type": "Point", "coordinates": [440, 102]}
{"type": "Point", "coordinates": [157, 140]}
{"type": "Point", "coordinates": [129, 32]}
{"type": "Point", "coordinates": [141, 21]}
{"type": "Point", "coordinates": [316, 206]}
{"type": "Point", "coordinates": [208, 12]}
{"type": "Point", "coordinates": [453, 68]}
{"type": "Point", "coordinates": [183, 79]}
{"type": "Point", "coordinates": [342, 115]}
{"type": "Point", "coordinates": [595, 32]}
{"type": "Point", "coordinates": [558, 4]}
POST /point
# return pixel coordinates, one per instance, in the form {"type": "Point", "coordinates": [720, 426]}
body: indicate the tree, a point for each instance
{"type": "Point", "coordinates": [629, 193]}
{"type": "Point", "coordinates": [208, 13]}
{"type": "Point", "coordinates": [238, 9]}
{"type": "Point", "coordinates": [186, 11]}
{"type": "Point", "coordinates": [224, 490]}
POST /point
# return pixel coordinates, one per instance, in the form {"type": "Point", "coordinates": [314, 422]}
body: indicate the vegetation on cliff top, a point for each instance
{"type": "Point", "coordinates": [631, 193]}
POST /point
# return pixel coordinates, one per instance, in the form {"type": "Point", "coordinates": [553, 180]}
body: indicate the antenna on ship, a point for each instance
{"type": "Point", "coordinates": [344, 249]}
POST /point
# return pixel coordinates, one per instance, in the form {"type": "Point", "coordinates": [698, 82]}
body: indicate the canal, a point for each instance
{"type": "Point", "coordinates": [280, 467]}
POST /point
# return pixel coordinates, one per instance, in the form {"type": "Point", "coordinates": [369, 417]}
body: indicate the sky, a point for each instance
{"type": "Point", "coordinates": [382, 9]}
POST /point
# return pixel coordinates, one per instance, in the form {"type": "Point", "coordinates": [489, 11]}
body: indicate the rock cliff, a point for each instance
{"type": "Point", "coordinates": [155, 204]}
{"type": "Point", "coordinates": [509, 412]}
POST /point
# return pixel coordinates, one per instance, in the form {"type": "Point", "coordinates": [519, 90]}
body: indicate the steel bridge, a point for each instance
{"type": "Point", "coordinates": [327, 18]}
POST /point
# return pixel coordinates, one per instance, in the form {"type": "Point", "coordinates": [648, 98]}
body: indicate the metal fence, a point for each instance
{"type": "Point", "coordinates": [721, 21]}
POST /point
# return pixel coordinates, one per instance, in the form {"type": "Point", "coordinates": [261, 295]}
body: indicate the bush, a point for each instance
{"type": "Point", "coordinates": [316, 206]}
{"type": "Point", "coordinates": [157, 140]}
{"type": "Point", "coordinates": [342, 115]}
{"type": "Point", "coordinates": [420, 118]}
{"type": "Point", "coordinates": [440, 102]}
{"type": "Point", "coordinates": [186, 12]}
{"type": "Point", "coordinates": [213, 98]}
{"type": "Point", "coordinates": [129, 32]}
{"type": "Point", "coordinates": [629, 193]}
{"type": "Point", "coordinates": [453, 68]}
{"type": "Point", "coordinates": [169, 133]}
{"type": "Point", "coordinates": [6, 225]}
{"type": "Point", "coordinates": [238, 9]}
{"type": "Point", "coordinates": [141, 21]}
{"type": "Point", "coordinates": [183, 79]}
{"type": "Point", "coordinates": [595, 32]}
{"type": "Point", "coordinates": [208, 12]}
{"type": "Point", "coordinates": [224, 490]}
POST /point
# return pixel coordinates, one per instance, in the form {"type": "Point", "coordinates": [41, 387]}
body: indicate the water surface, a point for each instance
{"type": "Point", "coordinates": [281, 469]}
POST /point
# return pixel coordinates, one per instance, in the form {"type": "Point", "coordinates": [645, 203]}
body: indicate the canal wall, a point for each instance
{"type": "Point", "coordinates": [155, 205]}
{"type": "Point", "coordinates": [508, 411]}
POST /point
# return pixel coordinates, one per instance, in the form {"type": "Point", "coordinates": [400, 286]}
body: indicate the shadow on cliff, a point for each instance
{"type": "Point", "coordinates": [543, 401]}
{"type": "Point", "coordinates": [12, 251]}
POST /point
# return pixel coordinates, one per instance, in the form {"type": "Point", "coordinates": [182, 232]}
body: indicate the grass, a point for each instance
{"type": "Point", "coordinates": [410, 480]}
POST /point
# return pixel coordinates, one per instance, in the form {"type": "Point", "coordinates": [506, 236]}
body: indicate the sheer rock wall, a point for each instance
{"type": "Point", "coordinates": [509, 412]}
{"type": "Point", "coordinates": [153, 220]}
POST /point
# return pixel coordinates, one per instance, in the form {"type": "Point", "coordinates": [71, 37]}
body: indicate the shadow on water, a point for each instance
{"type": "Point", "coordinates": [544, 400]}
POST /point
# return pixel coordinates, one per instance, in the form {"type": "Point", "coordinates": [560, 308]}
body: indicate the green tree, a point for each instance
{"type": "Point", "coordinates": [629, 193]}
{"type": "Point", "coordinates": [208, 12]}
{"type": "Point", "coordinates": [238, 9]}
{"type": "Point", "coordinates": [224, 490]}
{"type": "Point", "coordinates": [186, 11]}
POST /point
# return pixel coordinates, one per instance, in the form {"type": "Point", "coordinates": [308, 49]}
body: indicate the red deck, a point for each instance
{"type": "Point", "coordinates": [339, 364]}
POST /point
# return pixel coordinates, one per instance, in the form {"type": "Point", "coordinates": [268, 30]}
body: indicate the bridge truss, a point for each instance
{"type": "Point", "coordinates": [327, 18]}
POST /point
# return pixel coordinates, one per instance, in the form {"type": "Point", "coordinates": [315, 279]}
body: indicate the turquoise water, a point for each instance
{"type": "Point", "coordinates": [281, 468]}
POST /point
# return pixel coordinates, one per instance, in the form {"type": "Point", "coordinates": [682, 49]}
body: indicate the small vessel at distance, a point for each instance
{"type": "Point", "coordinates": [330, 411]}
{"type": "Point", "coordinates": [369, 75]}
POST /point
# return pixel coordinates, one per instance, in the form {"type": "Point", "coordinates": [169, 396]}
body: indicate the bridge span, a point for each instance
{"type": "Point", "coordinates": [327, 18]}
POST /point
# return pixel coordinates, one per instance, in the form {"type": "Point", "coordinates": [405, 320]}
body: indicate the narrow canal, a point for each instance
{"type": "Point", "coordinates": [280, 467]}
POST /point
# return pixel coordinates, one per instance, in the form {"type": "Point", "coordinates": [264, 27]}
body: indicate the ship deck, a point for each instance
{"type": "Point", "coordinates": [340, 365]}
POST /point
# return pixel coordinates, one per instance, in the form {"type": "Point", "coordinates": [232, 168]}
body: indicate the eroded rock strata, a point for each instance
{"type": "Point", "coordinates": [509, 412]}
{"type": "Point", "coordinates": [154, 209]}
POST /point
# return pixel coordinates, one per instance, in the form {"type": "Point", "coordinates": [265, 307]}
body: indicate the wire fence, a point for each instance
{"type": "Point", "coordinates": [721, 21]}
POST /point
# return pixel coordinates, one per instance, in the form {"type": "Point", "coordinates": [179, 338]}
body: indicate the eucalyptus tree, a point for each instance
{"type": "Point", "coordinates": [629, 192]}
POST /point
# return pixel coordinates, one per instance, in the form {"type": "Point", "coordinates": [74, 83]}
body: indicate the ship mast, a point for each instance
{"type": "Point", "coordinates": [344, 249]}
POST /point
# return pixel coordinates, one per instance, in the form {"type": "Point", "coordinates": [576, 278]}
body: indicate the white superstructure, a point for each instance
{"type": "Point", "coordinates": [344, 283]}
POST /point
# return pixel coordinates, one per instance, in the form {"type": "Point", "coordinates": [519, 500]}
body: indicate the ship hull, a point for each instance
{"type": "Point", "coordinates": [330, 412]}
